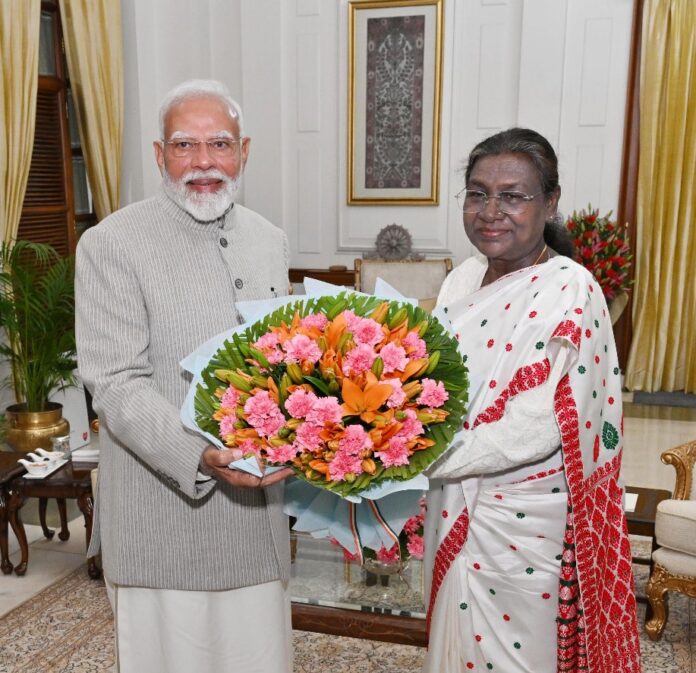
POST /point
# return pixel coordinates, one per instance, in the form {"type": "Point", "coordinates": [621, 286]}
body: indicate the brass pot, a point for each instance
{"type": "Point", "coordinates": [29, 430]}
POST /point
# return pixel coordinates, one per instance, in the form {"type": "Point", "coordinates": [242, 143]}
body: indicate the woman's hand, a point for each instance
{"type": "Point", "coordinates": [214, 463]}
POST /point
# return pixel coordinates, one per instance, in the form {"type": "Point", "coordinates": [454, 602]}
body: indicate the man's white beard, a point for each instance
{"type": "Point", "coordinates": [202, 206]}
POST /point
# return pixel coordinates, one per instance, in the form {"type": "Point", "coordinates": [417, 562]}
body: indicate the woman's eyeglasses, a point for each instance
{"type": "Point", "coordinates": [510, 203]}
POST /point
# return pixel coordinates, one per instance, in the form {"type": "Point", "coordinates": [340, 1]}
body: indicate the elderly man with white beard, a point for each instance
{"type": "Point", "coordinates": [196, 556]}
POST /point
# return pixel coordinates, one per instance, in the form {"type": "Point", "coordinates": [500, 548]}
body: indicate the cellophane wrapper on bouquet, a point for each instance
{"type": "Point", "coordinates": [355, 393]}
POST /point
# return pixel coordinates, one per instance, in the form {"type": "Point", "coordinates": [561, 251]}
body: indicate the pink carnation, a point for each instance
{"type": "Point", "coordinates": [415, 546]}
{"type": "Point", "coordinates": [367, 331]}
{"type": "Point", "coordinates": [267, 344]}
{"type": "Point", "coordinates": [414, 345]}
{"type": "Point", "coordinates": [249, 446]}
{"type": "Point", "coordinates": [281, 454]}
{"type": "Point", "coordinates": [300, 402]}
{"type": "Point", "coordinates": [269, 340]}
{"type": "Point", "coordinates": [325, 410]}
{"type": "Point", "coordinates": [396, 454]}
{"type": "Point", "coordinates": [316, 320]}
{"type": "Point", "coordinates": [354, 440]}
{"type": "Point", "coordinates": [398, 396]}
{"type": "Point", "coordinates": [351, 319]}
{"type": "Point", "coordinates": [392, 555]}
{"type": "Point", "coordinates": [301, 348]}
{"type": "Point", "coordinates": [230, 398]}
{"type": "Point", "coordinates": [433, 394]}
{"type": "Point", "coordinates": [411, 427]}
{"type": "Point", "coordinates": [344, 463]}
{"type": "Point", "coordinates": [307, 437]}
{"type": "Point", "coordinates": [227, 425]}
{"type": "Point", "coordinates": [262, 413]}
{"type": "Point", "coordinates": [359, 360]}
{"type": "Point", "coordinates": [394, 357]}
{"type": "Point", "coordinates": [274, 356]}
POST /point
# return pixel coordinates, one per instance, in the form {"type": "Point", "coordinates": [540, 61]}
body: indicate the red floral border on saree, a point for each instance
{"type": "Point", "coordinates": [598, 632]}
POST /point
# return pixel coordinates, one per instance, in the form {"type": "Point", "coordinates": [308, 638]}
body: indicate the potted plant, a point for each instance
{"type": "Point", "coordinates": [37, 314]}
{"type": "Point", "coordinates": [601, 246]}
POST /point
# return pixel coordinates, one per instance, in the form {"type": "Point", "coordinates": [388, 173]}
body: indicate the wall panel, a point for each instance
{"type": "Point", "coordinates": [556, 65]}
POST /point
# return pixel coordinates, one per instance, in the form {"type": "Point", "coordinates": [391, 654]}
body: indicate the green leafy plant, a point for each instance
{"type": "Point", "coordinates": [37, 314]}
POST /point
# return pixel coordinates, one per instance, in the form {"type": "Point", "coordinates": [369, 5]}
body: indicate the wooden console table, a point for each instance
{"type": "Point", "coordinates": [9, 470]}
{"type": "Point", "coordinates": [334, 596]}
{"type": "Point", "coordinates": [71, 481]}
{"type": "Point", "coordinates": [339, 275]}
{"type": "Point", "coordinates": [641, 521]}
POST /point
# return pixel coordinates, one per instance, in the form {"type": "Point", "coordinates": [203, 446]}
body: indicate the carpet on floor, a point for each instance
{"type": "Point", "coordinates": [67, 628]}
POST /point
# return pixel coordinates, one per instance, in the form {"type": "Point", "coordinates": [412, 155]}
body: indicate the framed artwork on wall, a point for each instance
{"type": "Point", "coordinates": [394, 89]}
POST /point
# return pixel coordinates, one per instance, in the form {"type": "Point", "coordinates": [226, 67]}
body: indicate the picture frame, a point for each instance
{"type": "Point", "coordinates": [394, 100]}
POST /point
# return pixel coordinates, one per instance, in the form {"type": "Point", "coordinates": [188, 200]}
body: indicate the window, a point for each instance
{"type": "Point", "coordinates": [57, 204]}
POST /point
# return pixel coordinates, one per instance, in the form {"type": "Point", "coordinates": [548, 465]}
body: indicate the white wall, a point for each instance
{"type": "Point", "coordinates": [166, 42]}
{"type": "Point", "coordinates": [559, 66]}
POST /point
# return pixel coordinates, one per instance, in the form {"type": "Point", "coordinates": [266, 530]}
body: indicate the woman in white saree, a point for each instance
{"type": "Point", "coordinates": [526, 543]}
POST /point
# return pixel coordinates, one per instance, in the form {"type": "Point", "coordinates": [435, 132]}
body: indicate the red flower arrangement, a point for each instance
{"type": "Point", "coordinates": [601, 246]}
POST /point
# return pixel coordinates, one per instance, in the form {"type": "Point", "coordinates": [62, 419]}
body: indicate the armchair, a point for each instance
{"type": "Point", "coordinates": [675, 530]}
{"type": "Point", "coordinates": [420, 279]}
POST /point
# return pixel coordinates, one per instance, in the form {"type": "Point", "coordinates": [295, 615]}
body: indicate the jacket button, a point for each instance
{"type": "Point", "coordinates": [223, 242]}
{"type": "Point", "coordinates": [239, 283]}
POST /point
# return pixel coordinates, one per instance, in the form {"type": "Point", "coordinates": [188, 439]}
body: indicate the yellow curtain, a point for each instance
{"type": "Point", "coordinates": [19, 63]}
{"type": "Point", "coordinates": [94, 47]}
{"type": "Point", "coordinates": [663, 352]}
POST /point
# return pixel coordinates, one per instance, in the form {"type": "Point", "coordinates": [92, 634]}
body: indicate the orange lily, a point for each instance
{"type": "Point", "coordinates": [364, 402]}
{"type": "Point", "coordinates": [413, 368]}
{"type": "Point", "coordinates": [273, 390]}
{"type": "Point", "coordinates": [284, 332]}
{"type": "Point", "coordinates": [399, 332]}
{"type": "Point", "coordinates": [334, 331]}
{"type": "Point", "coordinates": [330, 363]}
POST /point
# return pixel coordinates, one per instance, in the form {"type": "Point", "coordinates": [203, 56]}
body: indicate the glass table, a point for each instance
{"type": "Point", "coordinates": [335, 596]}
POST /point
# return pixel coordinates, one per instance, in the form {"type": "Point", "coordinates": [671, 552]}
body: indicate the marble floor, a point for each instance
{"type": "Point", "coordinates": [649, 430]}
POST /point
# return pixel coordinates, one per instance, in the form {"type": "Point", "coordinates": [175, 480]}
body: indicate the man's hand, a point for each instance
{"type": "Point", "coordinates": [214, 463]}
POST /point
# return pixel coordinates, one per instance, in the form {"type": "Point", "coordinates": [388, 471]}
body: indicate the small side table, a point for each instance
{"type": "Point", "coordinates": [69, 481]}
{"type": "Point", "coordinates": [641, 521]}
{"type": "Point", "coordinates": [9, 469]}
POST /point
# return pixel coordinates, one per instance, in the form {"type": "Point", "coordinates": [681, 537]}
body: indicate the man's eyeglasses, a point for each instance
{"type": "Point", "coordinates": [510, 203]}
{"type": "Point", "coordinates": [217, 147]}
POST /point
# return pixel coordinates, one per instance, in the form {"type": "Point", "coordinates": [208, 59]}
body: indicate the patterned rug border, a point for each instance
{"type": "Point", "coordinates": [72, 619]}
{"type": "Point", "coordinates": [19, 606]}
{"type": "Point", "coordinates": [65, 627]}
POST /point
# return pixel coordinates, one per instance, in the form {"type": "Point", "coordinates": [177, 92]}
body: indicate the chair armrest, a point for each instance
{"type": "Point", "coordinates": [682, 458]}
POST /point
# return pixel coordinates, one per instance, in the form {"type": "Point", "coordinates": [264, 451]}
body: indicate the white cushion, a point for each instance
{"type": "Point", "coordinates": [675, 525]}
{"type": "Point", "coordinates": [675, 562]}
{"type": "Point", "coordinates": [417, 279]}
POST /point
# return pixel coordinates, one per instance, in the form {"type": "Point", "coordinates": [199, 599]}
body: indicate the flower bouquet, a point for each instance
{"type": "Point", "coordinates": [350, 391]}
{"type": "Point", "coordinates": [601, 246]}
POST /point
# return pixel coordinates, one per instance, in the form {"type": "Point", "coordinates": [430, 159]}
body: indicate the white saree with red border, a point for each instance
{"type": "Point", "coordinates": [529, 568]}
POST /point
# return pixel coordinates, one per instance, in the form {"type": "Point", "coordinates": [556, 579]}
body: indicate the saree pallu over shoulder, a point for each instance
{"type": "Point", "coordinates": [510, 333]}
